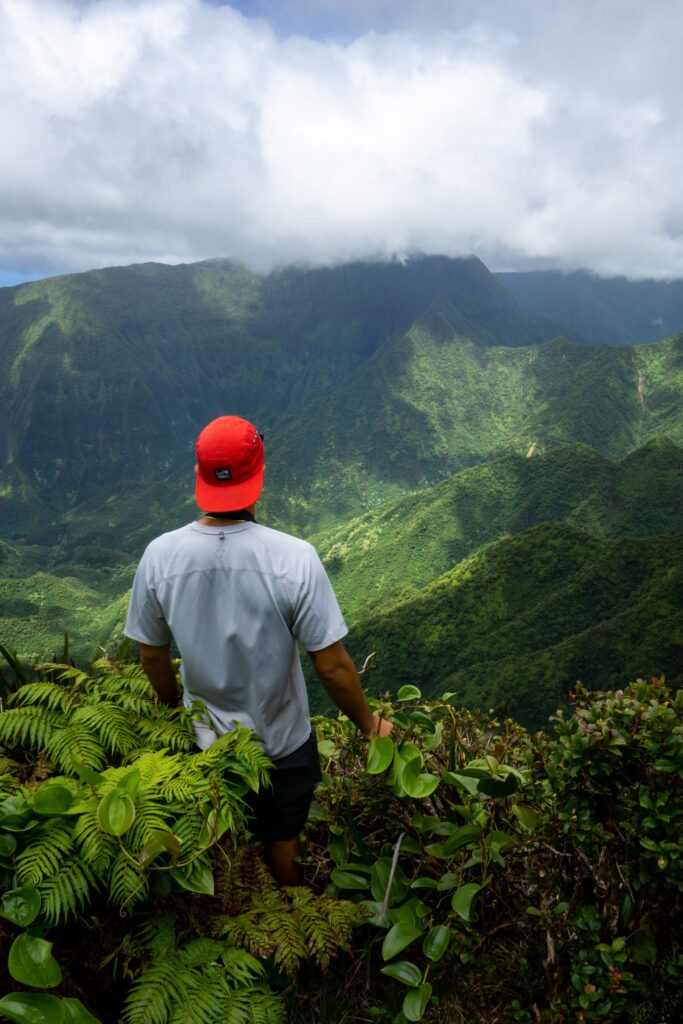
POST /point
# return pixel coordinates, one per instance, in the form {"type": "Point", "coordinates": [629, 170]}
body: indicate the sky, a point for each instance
{"type": "Point", "coordinates": [533, 133]}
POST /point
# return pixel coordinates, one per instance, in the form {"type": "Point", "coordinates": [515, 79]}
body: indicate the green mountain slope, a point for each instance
{"type": "Point", "coordinates": [601, 310]}
{"type": "Point", "coordinates": [520, 622]}
{"type": "Point", "coordinates": [109, 375]}
{"type": "Point", "coordinates": [409, 542]}
{"type": "Point", "coordinates": [429, 403]}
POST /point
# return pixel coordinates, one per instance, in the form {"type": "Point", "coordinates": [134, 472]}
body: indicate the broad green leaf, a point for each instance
{"type": "Point", "coordinates": [499, 787]}
{"type": "Point", "coordinates": [397, 938]}
{"type": "Point", "coordinates": [462, 836]}
{"type": "Point", "coordinates": [212, 829]}
{"type": "Point", "coordinates": [31, 962]}
{"type": "Point", "coordinates": [196, 877]}
{"type": "Point", "coordinates": [463, 900]}
{"type": "Point", "coordinates": [8, 845]}
{"type": "Point", "coordinates": [326, 748]}
{"type": "Point", "coordinates": [459, 781]}
{"type": "Point", "coordinates": [497, 840]}
{"type": "Point", "coordinates": [527, 816]}
{"type": "Point", "coordinates": [436, 941]}
{"type": "Point", "coordinates": [448, 881]}
{"type": "Point", "coordinates": [88, 774]}
{"type": "Point", "coordinates": [409, 692]}
{"type": "Point", "coordinates": [379, 879]}
{"type": "Point", "coordinates": [52, 798]}
{"type": "Point", "coordinates": [129, 782]}
{"type": "Point", "coordinates": [409, 751]}
{"type": "Point", "coordinates": [424, 883]}
{"type": "Point", "coordinates": [115, 813]}
{"type": "Point", "coordinates": [76, 1013]}
{"type": "Point", "coordinates": [318, 813]}
{"type": "Point", "coordinates": [380, 754]}
{"type": "Point", "coordinates": [423, 720]}
{"type": "Point", "coordinates": [21, 906]}
{"type": "Point", "coordinates": [416, 784]}
{"type": "Point", "coordinates": [338, 847]}
{"type": "Point", "coordinates": [32, 1008]}
{"type": "Point", "coordinates": [159, 842]}
{"type": "Point", "coordinates": [416, 1001]}
{"type": "Point", "coordinates": [16, 814]}
{"type": "Point", "coordinates": [448, 695]}
{"type": "Point", "coordinates": [344, 879]}
{"type": "Point", "coordinates": [435, 739]}
{"type": "Point", "coordinates": [404, 971]}
{"type": "Point", "coordinates": [410, 913]}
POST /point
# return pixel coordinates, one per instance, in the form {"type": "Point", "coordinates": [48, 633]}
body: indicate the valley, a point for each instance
{"type": "Point", "coordinates": [498, 502]}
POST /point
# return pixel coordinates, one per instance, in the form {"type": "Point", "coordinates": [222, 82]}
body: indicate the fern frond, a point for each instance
{"type": "Point", "coordinates": [73, 743]}
{"type": "Point", "coordinates": [9, 775]}
{"type": "Point", "coordinates": [97, 849]}
{"type": "Point", "coordinates": [49, 844]}
{"type": "Point", "coordinates": [196, 985]}
{"type": "Point", "coordinates": [187, 828]}
{"type": "Point", "coordinates": [111, 725]}
{"type": "Point", "coordinates": [164, 986]}
{"type": "Point", "coordinates": [67, 891]}
{"type": "Point", "coordinates": [240, 967]}
{"type": "Point", "coordinates": [29, 727]}
{"type": "Point", "coordinates": [206, 1006]}
{"type": "Point", "coordinates": [127, 885]}
{"type": "Point", "coordinates": [150, 814]}
{"type": "Point", "coordinates": [156, 937]}
{"type": "Point", "coordinates": [174, 735]}
{"type": "Point", "coordinates": [50, 695]}
{"type": "Point", "coordinates": [267, 929]}
{"type": "Point", "coordinates": [255, 1005]}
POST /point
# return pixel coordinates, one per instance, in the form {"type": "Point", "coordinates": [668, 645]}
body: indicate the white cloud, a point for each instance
{"type": "Point", "coordinates": [530, 133]}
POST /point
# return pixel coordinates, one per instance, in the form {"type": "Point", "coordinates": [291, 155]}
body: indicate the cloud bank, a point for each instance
{"type": "Point", "coordinates": [531, 134]}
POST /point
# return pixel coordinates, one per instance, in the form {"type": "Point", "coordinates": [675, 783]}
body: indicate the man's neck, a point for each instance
{"type": "Point", "coordinates": [245, 515]}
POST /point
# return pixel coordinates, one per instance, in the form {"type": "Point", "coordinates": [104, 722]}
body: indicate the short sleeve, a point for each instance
{"type": "Point", "coordinates": [145, 622]}
{"type": "Point", "coordinates": [318, 621]}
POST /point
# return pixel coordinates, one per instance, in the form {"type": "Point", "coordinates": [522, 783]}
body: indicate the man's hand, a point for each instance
{"type": "Point", "coordinates": [158, 667]}
{"type": "Point", "coordinates": [380, 727]}
{"type": "Point", "coordinates": [337, 673]}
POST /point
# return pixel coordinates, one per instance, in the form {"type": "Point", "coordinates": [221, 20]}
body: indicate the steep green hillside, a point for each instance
{"type": "Point", "coordinates": [601, 310]}
{"type": "Point", "coordinates": [411, 541]}
{"type": "Point", "coordinates": [519, 623]}
{"type": "Point", "coordinates": [429, 403]}
{"type": "Point", "coordinates": [109, 375]}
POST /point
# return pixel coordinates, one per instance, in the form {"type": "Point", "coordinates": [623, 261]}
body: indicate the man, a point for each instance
{"type": "Point", "coordinates": [236, 597]}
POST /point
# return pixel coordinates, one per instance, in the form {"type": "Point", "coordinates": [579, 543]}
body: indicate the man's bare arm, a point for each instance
{"type": "Point", "coordinates": [157, 665]}
{"type": "Point", "coordinates": [337, 673]}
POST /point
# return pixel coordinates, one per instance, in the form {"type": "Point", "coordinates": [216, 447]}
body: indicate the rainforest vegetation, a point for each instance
{"type": "Point", "coordinates": [497, 496]}
{"type": "Point", "coordinates": [462, 870]}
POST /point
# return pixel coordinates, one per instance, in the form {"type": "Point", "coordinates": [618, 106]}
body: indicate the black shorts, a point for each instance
{"type": "Point", "coordinates": [280, 812]}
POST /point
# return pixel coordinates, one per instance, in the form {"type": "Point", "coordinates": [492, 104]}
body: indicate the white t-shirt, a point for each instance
{"type": "Point", "coordinates": [236, 598]}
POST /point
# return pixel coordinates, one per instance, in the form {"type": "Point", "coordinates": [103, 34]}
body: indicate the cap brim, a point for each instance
{"type": "Point", "coordinates": [228, 497]}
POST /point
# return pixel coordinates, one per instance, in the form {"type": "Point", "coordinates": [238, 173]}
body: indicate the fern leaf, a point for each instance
{"type": "Point", "coordinates": [96, 848]}
{"type": "Point", "coordinates": [29, 726]}
{"type": "Point", "coordinates": [127, 885]}
{"type": "Point", "coordinates": [252, 1006]}
{"type": "Point", "coordinates": [49, 695]}
{"type": "Point", "coordinates": [111, 725]}
{"type": "Point", "coordinates": [75, 743]}
{"type": "Point", "coordinates": [67, 891]}
{"type": "Point", "coordinates": [50, 843]}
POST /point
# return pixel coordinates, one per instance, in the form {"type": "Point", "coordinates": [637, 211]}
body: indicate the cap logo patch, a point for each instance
{"type": "Point", "coordinates": [223, 474]}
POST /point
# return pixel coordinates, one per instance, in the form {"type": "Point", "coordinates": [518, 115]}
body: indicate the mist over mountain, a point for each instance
{"type": "Point", "coordinates": [421, 424]}
{"type": "Point", "coordinates": [601, 310]}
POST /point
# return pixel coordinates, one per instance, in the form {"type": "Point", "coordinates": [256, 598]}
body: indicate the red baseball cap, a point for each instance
{"type": "Point", "coordinates": [229, 465]}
